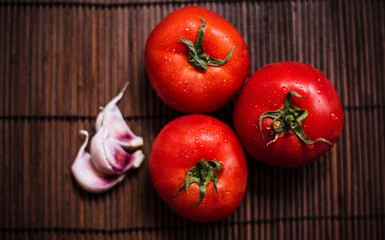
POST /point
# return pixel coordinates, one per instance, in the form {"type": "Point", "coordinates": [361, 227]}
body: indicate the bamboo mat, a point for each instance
{"type": "Point", "coordinates": [60, 61]}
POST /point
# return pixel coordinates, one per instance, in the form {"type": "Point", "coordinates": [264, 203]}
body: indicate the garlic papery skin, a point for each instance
{"type": "Point", "coordinates": [119, 129]}
{"type": "Point", "coordinates": [108, 155]}
{"type": "Point", "coordinates": [87, 176]}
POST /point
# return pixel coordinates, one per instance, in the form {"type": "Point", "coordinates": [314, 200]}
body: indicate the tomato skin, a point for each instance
{"type": "Point", "coordinates": [265, 91]}
{"type": "Point", "coordinates": [187, 88]}
{"type": "Point", "coordinates": [178, 147]}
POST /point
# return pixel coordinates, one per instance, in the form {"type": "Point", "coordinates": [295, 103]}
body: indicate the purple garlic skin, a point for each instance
{"type": "Point", "coordinates": [109, 160]}
{"type": "Point", "coordinates": [118, 129]}
{"type": "Point", "coordinates": [87, 176]}
{"type": "Point", "coordinates": [108, 154]}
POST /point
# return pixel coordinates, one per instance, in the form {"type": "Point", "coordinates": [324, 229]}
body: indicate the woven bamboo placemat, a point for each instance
{"type": "Point", "coordinates": [60, 61]}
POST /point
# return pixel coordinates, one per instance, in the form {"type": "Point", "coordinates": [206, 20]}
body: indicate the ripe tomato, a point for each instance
{"type": "Point", "coordinates": [200, 147]}
{"type": "Point", "coordinates": [288, 114]}
{"type": "Point", "coordinates": [191, 72]}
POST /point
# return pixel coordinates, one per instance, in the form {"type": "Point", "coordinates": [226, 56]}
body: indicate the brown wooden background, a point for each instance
{"type": "Point", "coordinates": [60, 60]}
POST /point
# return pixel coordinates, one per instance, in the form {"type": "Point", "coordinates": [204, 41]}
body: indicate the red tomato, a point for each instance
{"type": "Point", "coordinates": [278, 138]}
{"type": "Point", "coordinates": [185, 144]}
{"type": "Point", "coordinates": [173, 66]}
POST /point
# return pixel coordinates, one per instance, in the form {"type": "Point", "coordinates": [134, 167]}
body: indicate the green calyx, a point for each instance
{"type": "Point", "coordinates": [197, 57]}
{"type": "Point", "coordinates": [289, 118]}
{"type": "Point", "coordinates": [202, 173]}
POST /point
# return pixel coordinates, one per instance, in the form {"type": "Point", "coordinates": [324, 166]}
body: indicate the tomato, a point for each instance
{"type": "Point", "coordinates": [201, 147]}
{"type": "Point", "coordinates": [288, 114]}
{"type": "Point", "coordinates": [196, 60]}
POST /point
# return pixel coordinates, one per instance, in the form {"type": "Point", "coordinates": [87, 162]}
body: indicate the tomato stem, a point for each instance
{"type": "Point", "coordinates": [289, 118]}
{"type": "Point", "coordinates": [197, 57]}
{"type": "Point", "coordinates": [202, 173]}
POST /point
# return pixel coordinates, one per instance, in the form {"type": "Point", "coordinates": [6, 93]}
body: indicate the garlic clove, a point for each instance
{"type": "Point", "coordinates": [108, 155]}
{"type": "Point", "coordinates": [108, 160]}
{"type": "Point", "coordinates": [87, 176]}
{"type": "Point", "coordinates": [119, 129]}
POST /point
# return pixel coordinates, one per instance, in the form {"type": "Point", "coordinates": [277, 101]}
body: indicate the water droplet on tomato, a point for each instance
{"type": "Point", "coordinates": [187, 29]}
{"type": "Point", "coordinates": [319, 79]}
{"type": "Point", "coordinates": [284, 90]}
{"type": "Point", "coordinates": [226, 36]}
{"type": "Point", "coordinates": [309, 146]}
{"type": "Point", "coordinates": [333, 117]}
{"type": "Point", "coordinates": [319, 92]}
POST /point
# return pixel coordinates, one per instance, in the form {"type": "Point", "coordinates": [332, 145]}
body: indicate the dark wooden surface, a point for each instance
{"type": "Point", "coordinates": [60, 61]}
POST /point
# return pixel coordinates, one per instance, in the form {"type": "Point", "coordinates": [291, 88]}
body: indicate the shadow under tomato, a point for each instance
{"type": "Point", "coordinates": [278, 192]}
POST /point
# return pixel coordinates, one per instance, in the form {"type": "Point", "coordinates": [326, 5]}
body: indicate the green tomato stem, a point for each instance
{"type": "Point", "coordinates": [202, 173]}
{"type": "Point", "coordinates": [289, 118]}
{"type": "Point", "coordinates": [197, 57]}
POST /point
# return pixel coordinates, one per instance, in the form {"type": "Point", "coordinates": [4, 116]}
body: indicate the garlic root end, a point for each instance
{"type": "Point", "coordinates": [138, 158]}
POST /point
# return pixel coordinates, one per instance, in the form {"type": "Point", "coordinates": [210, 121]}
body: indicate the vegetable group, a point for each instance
{"type": "Point", "coordinates": [288, 114]}
{"type": "Point", "coordinates": [196, 60]}
{"type": "Point", "coordinates": [198, 167]}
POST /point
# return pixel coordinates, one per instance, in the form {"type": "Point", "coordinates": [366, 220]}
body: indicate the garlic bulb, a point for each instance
{"type": "Point", "coordinates": [87, 176]}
